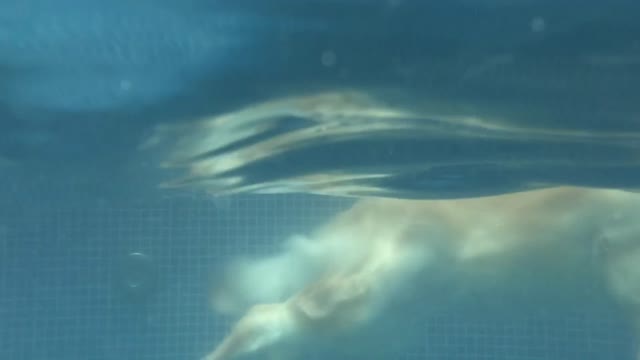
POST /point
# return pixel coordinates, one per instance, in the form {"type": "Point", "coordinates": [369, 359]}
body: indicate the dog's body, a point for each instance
{"type": "Point", "coordinates": [545, 246]}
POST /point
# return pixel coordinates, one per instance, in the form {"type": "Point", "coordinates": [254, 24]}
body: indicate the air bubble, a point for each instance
{"type": "Point", "coordinates": [538, 24]}
{"type": "Point", "coordinates": [328, 58]}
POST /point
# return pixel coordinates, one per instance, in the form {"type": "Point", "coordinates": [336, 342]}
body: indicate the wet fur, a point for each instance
{"type": "Point", "coordinates": [558, 247]}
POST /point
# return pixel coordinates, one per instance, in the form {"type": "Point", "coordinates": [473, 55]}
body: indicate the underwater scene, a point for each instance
{"type": "Point", "coordinates": [319, 179]}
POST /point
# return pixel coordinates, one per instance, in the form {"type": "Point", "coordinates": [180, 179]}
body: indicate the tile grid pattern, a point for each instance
{"type": "Point", "coordinates": [60, 297]}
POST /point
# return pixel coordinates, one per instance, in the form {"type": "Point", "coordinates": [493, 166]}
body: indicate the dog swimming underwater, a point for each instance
{"type": "Point", "coordinates": [545, 246]}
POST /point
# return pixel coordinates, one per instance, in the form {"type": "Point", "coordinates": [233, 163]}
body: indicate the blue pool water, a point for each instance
{"type": "Point", "coordinates": [62, 259]}
{"type": "Point", "coordinates": [461, 98]}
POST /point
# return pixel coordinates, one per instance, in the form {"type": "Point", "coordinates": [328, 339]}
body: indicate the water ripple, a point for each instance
{"type": "Point", "coordinates": [352, 143]}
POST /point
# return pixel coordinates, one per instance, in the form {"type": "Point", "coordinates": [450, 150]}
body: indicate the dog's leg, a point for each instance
{"type": "Point", "coordinates": [621, 257]}
{"type": "Point", "coordinates": [340, 299]}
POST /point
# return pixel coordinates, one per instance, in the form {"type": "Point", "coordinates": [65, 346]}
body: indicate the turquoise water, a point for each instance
{"type": "Point", "coordinates": [63, 295]}
{"type": "Point", "coordinates": [122, 124]}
